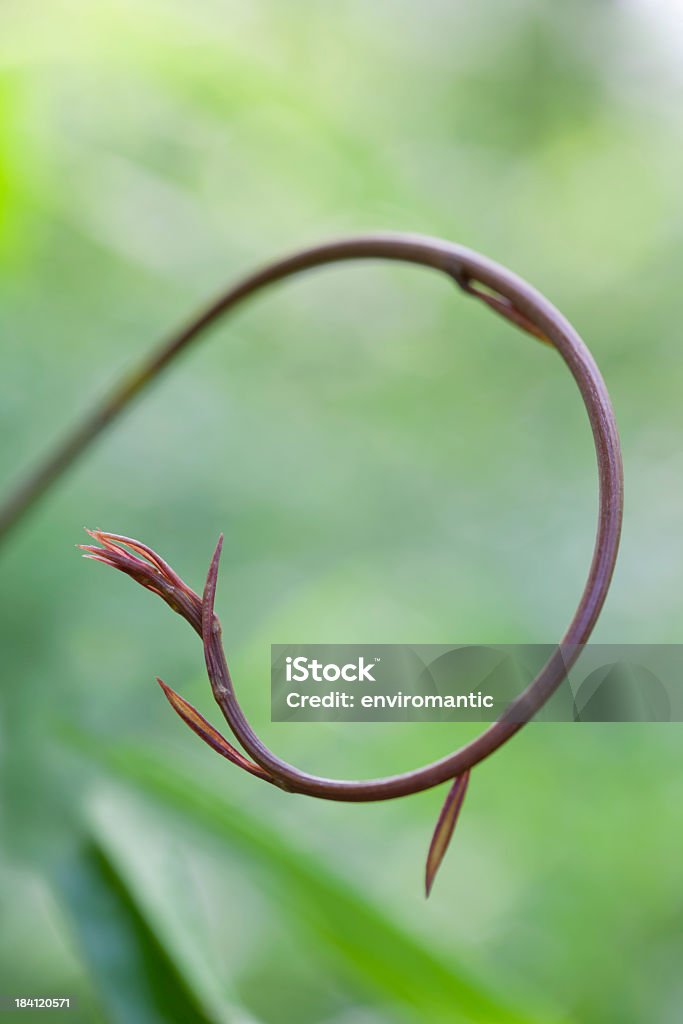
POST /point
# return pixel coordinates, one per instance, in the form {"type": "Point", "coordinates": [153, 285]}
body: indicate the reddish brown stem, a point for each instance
{"type": "Point", "coordinates": [518, 302]}
{"type": "Point", "coordinates": [507, 294]}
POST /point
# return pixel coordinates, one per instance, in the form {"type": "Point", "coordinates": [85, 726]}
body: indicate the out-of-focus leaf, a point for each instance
{"type": "Point", "coordinates": [374, 952]}
{"type": "Point", "coordinates": [136, 980]}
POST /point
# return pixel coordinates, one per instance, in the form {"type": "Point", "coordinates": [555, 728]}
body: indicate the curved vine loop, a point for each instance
{"type": "Point", "coordinates": [509, 296]}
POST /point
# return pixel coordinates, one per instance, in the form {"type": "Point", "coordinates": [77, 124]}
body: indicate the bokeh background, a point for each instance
{"type": "Point", "coordinates": [389, 462]}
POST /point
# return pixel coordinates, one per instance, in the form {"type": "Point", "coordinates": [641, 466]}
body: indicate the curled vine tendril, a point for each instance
{"type": "Point", "coordinates": [510, 297]}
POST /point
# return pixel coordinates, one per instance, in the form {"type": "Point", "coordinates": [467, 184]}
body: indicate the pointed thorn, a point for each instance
{"type": "Point", "coordinates": [209, 596]}
{"type": "Point", "coordinates": [443, 831]}
{"type": "Point", "coordinates": [206, 731]}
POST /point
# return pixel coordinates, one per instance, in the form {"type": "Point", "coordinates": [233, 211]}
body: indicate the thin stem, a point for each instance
{"type": "Point", "coordinates": [152, 572]}
{"type": "Point", "coordinates": [462, 265]}
{"type": "Point", "coordinates": [518, 714]}
{"type": "Point", "coordinates": [507, 295]}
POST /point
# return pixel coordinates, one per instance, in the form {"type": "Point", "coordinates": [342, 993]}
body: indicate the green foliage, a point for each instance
{"type": "Point", "coordinates": [375, 955]}
{"type": "Point", "coordinates": [388, 461]}
{"type": "Point", "coordinates": [135, 979]}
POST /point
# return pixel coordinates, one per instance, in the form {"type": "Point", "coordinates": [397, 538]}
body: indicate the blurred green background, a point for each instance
{"type": "Point", "coordinates": [389, 462]}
